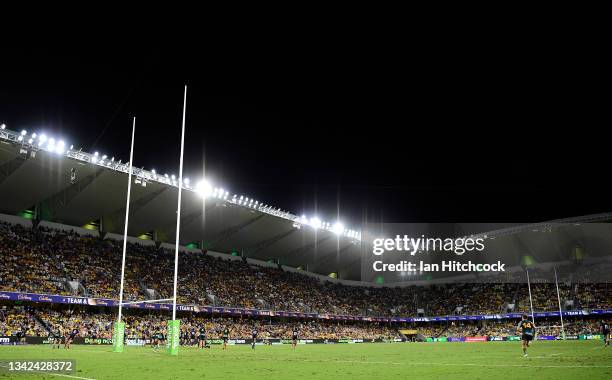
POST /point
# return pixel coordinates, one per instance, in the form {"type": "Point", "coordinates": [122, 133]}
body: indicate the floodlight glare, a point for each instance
{"type": "Point", "coordinates": [42, 138]}
{"type": "Point", "coordinates": [96, 154]}
{"type": "Point", "coordinates": [30, 141]}
{"type": "Point", "coordinates": [20, 138]}
{"type": "Point", "coordinates": [3, 126]}
{"type": "Point", "coordinates": [315, 222]}
{"type": "Point", "coordinates": [24, 132]}
{"type": "Point", "coordinates": [33, 135]}
{"type": "Point", "coordinates": [204, 188]}
{"type": "Point", "coordinates": [153, 171]}
{"type": "Point", "coordinates": [338, 228]}
{"type": "Point", "coordinates": [186, 181]}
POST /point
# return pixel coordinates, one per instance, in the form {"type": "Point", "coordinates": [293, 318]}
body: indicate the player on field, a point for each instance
{"type": "Point", "coordinates": [605, 331]}
{"type": "Point", "coordinates": [527, 330]}
{"type": "Point", "coordinates": [294, 337]}
{"type": "Point", "coordinates": [57, 337]}
{"type": "Point", "coordinates": [193, 337]}
{"type": "Point", "coordinates": [183, 336]}
{"type": "Point", "coordinates": [225, 337]}
{"type": "Point", "coordinates": [254, 334]}
{"type": "Point", "coordinates": [202, 337]}
{"type": "Point", "coordinates": [70, 338]}
{"type": "Point", "coordinates": [157, 339]}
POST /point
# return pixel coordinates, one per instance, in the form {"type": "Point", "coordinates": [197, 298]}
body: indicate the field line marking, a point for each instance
{"type": "Point", "coordinates": [51, 373]}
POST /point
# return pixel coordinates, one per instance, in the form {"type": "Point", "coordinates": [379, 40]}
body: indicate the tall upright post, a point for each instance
{"type": "Point", "coordinates": [560, 311]}
{"type": "Point", "coordinates": [119, 329]}
{"type": "Point", "coordinates": [530, 299]}
{"type": "Point", "coordinates": [174, 325]}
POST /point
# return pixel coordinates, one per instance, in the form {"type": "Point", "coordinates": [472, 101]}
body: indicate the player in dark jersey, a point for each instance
{"type": "Point", "coordinates": [225, 337]}
{"type": "Point", "coordinates": [254, 334]}
{"type": "Point", "coordinates": [70, 338]}
{"type": "Point", "coordinates": [527, 330]}
{"type": "Point", "coordinates": [157, 339]}
{"type": "Point", "coordinates": [605, 331]}
{"type": "Point", "coordinates": [183, 337]}
{"type": "Point", "coordinates": [294, 337]}
{"type": "Point", "coordinates": [193, 337]}
{"type": "Point", "coordinates": [202, 338]}
{"type": "Point", "coordinates": [57, 337]}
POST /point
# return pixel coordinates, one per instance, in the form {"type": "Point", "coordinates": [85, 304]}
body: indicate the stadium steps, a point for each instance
{"type": "Point", "coordinates": [40, 320]}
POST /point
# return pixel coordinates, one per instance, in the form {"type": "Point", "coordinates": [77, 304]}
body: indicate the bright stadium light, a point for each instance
{"type": "Point", "coordinates": [3, 126]}
{"type": "Point", "coordinates": [24, 132]}
{"type": "Point", "coordinates": [42, 138]}
{"type": "Point", "coordinates": [204, 188]}
{"type": "Point", "coordinates": [338, 228]}
{"type": "Point", "coordinates": [59, 149]}
{"type": "Point", "coordinates": [96, 154]}
{"type": "Point", "coordinates": [33, 135]}
{"type": "Point", "coordinates": [30, 141]}
{"type": "Point", "coordinates": [20, 138]}
{"type": "Point", "coordinates": [315, 222]}
{"type": "Point", "coordinates": [153, 171]}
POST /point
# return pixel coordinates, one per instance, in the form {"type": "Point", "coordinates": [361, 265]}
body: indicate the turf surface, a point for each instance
{"type": "Point", "coordinates": [503, 360]}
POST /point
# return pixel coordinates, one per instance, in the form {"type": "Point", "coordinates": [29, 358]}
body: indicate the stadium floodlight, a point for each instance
{"type": "Point", "coordinates": [338, 228]}
{"type": "Point", "coordinates": [60, 147]}
{"type": "Point", "coordinates": [153, 171]}
{"type": "Point", "coordinates": [33, 135]}
{"type": "Point", "coordinates": [173, 177]}
{"type": "Point", "coordinates": [30, 141]}
{"type": "Point", "coordinates": [24, 132]}
{"type": "Point", "coordinates": [42, 138]}
{"type": "Point", "coordinates": [186, 182]}
{"type": "Point", "coordinates": [20, 138]}
{"type": "Point", "coordinates": [315, 222]}
{"type": "Point", "coordinates": [96, 154]}
{"type": "Point", "coordinates": [3, 126]}
{"type": "Point", "coordinates": [71, 147]}
{"type": "Point", "coordinates": [104, 157]}
{"type": "Point", "coordinates": [204, 188]}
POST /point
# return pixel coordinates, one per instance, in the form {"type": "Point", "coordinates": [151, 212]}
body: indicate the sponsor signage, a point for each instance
{"type": "Point", "coordinates": [476, 339]}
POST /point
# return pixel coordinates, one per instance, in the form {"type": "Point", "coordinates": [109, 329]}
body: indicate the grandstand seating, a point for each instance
{"type": "Point", "coordinates": [41, 260]}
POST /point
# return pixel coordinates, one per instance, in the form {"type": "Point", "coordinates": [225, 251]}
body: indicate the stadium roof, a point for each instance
{"type": "Point", "coordinates": [34, 176]}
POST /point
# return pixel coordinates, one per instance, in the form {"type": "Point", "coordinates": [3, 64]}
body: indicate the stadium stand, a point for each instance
{"type": "Point", "coordinates": [45, 260]}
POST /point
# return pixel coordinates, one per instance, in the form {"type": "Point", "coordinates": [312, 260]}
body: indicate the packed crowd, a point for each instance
{"type": "Point", "coordinates": [43, 260]}
{"type": "Point", "coordinates": [503, 328]}
{"type": "Point", "coordinates": [19, 321]}
{"type": "Point", "coordinates": [94, 323]}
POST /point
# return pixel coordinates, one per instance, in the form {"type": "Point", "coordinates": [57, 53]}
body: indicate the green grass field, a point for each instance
{"type": "Point", "coordinates": [503, 360]}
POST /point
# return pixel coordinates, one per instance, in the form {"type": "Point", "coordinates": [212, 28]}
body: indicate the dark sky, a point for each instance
{"type": "Point", "coordinates": [378, 133]}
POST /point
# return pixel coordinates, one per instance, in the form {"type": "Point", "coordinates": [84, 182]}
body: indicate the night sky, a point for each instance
{"type": "Point", "coordinates": [374, 135]}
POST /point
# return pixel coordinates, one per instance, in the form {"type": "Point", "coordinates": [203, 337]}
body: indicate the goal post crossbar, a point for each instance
{"type": "Point", "coordinates": [148, 301]}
